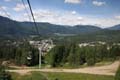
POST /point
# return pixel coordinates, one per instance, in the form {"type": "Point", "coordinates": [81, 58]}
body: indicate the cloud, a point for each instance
{"type": "Point", "coordinates": [20, 7]}
{"type": "Point", "coordinates": [7, 0]}
{"type": "Point", "coordinates": [67, 18]}
{"type": "Point", "coordinates": [117, 17]}
{"type": "Point", "coordinates": [3, 7]}
{"type": "Point", "coordinates": [73, 1]}
{"type": "Point", "coordinates": [7, 14]}
{"type": "Point", "coordinates": [74, 12]}
{"type": "Point", "coordinates": [80, 18]}
{"type": "Point", "coordinates": [109, 22]}
{"type": "Point", "coordinates": [97, 3]}
{"type": "Point", "coordinates": [3, 11]}
{"type": "Point", "coordinates": [11, 0]}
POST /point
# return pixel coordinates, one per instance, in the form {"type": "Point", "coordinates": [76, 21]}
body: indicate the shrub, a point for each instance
{"type": "Point", "coordinates": [117, 76]}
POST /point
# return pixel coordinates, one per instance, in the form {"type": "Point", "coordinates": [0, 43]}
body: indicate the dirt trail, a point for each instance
{"type": "Point", "coordinates": [101, 70]}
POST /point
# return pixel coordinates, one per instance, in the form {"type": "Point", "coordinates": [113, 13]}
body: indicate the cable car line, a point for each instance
{"type": "Point", "coordinates": [26, 10]}
{"type": "Point", "coordinates": [33, 17]}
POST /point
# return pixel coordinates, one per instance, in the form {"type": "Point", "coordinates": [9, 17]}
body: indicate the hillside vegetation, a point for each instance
{"type": "Point", "coordinates": [73, 55]}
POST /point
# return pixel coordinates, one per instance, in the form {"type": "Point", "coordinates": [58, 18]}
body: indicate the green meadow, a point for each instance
{"type": "Point", "coordinates": [59, 76]}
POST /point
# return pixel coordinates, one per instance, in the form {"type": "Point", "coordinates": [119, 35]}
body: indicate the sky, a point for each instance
{"type": "Point", "coordinates": [102, 13]}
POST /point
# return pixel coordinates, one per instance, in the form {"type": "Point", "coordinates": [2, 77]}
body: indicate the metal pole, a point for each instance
{"type": "Point", "coordinates": [40, 52]}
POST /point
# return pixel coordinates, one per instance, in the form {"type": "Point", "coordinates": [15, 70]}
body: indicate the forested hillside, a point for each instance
{"type": "Point", "coordinates": [103, 35]}
{"type": "Point", "coordinates": [73, 55]}
{"type": "Point", "coordinates": [18, 53]}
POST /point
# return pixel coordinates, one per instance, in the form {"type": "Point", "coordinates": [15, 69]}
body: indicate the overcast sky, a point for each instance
{"type": "Point", "coordinates": [103, 13]}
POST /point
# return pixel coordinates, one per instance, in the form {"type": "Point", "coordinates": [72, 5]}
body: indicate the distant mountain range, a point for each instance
{"type": "Point", "coordinates": [11, 27]}
{"type": "Point", "coordinates": [116, 27]}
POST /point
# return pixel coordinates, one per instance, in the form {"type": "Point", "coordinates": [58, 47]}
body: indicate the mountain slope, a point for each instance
{"type": "Point", "coordinates": [11, 27]}
{"type": "Point", "coordinates": [116, 27]}
{"type": "Point", "coordinates": [47, 28]}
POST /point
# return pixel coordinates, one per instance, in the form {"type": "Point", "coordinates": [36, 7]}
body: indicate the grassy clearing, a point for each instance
{"type": "Point", "coordinates": [59, 76]}
{"type": "Point", "coordinates": [65, 66]}
{"type": "Point", "coordinates": [76, 76]}
{"type": "Point", "coordinates": [102, 63]}
{"type": "Point", "coordinates": [29, 76]}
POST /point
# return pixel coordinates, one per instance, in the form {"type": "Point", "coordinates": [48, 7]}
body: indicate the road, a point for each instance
{"type": "Point", "coordinates": [99, 70]}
